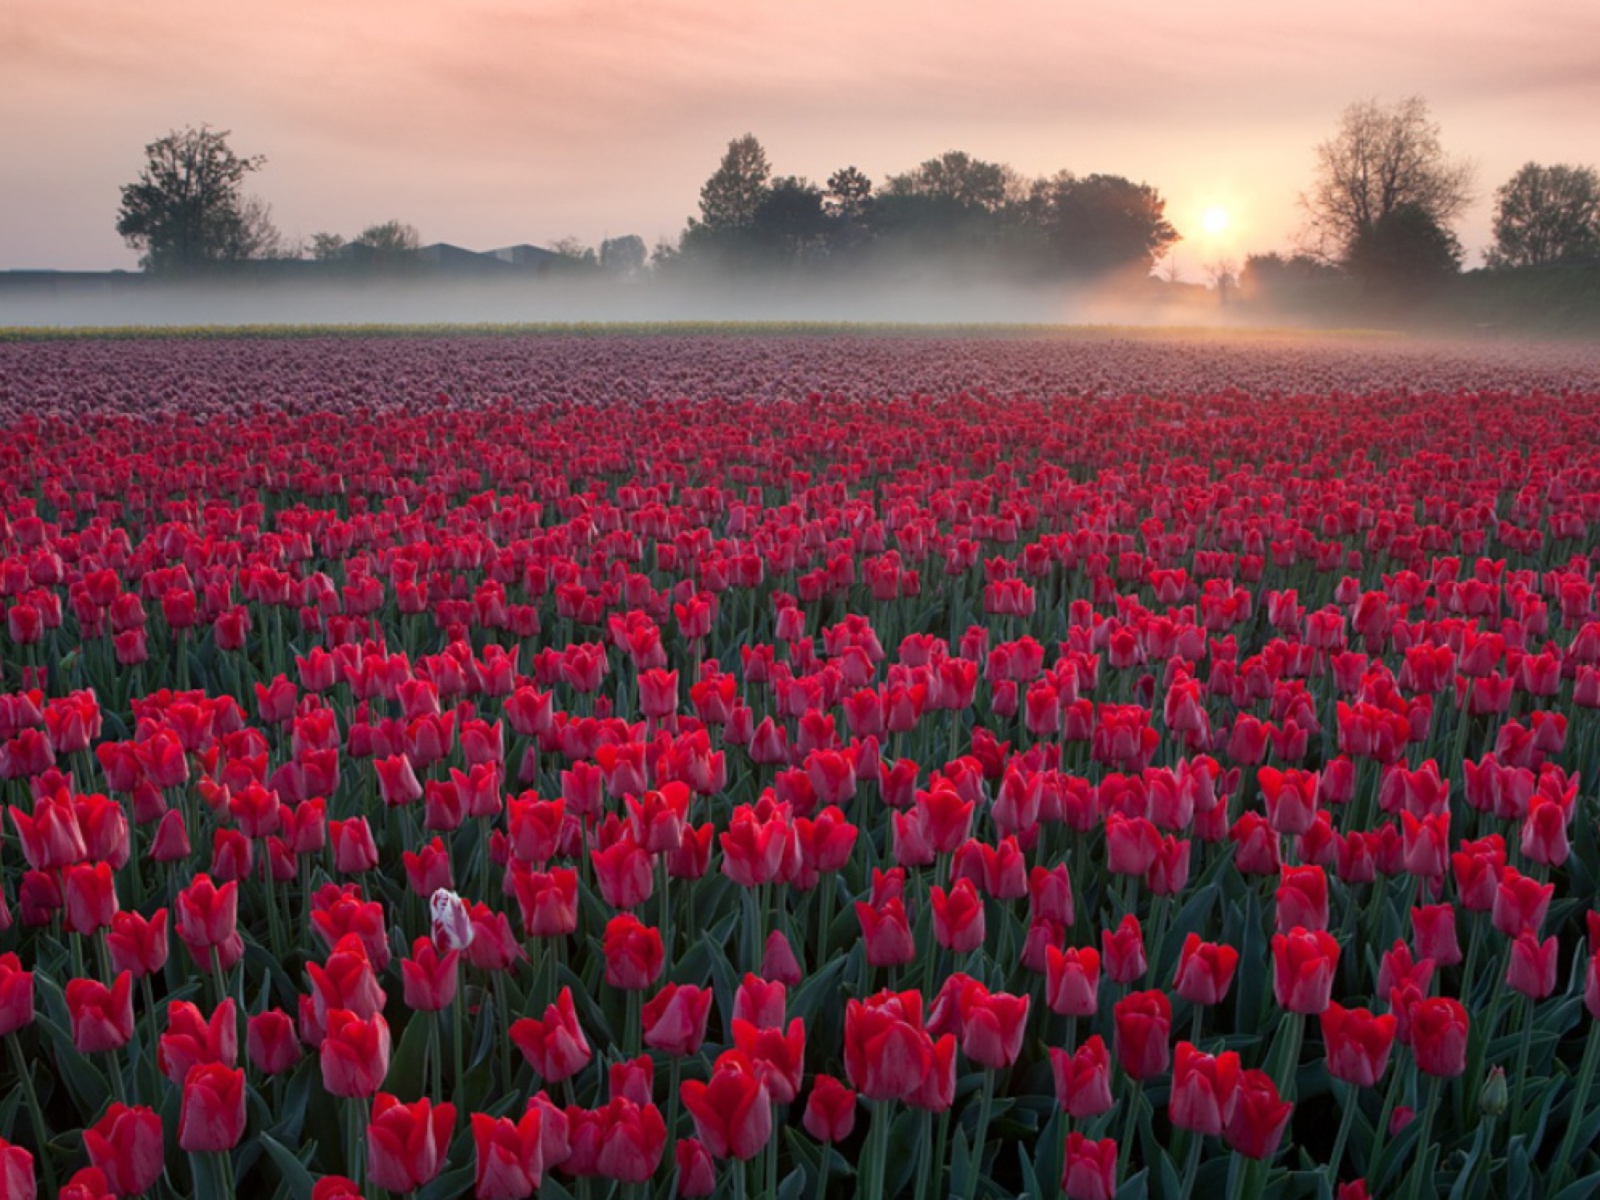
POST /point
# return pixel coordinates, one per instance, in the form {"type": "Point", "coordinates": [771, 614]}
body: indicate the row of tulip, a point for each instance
{"type": "Point", "coordinates": [488, 761]}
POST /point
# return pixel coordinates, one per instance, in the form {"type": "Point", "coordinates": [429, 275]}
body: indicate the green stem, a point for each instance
{"type": "Point", "coordinates": [1351, 1102]}
{"type": "Point", "coordinates": [1580, 1105]}
{"type": "Point", "coordinates": [924, 1155]}
{"type": "Point", "coordinates": [1523, 1046]}
{"type": "Point", "coordinates": [980, 1136]}
{"type": "Point", "coordinates": [1191, 1164]}
{"type": "Point", "coordinates": [1419, 1165]}
{"type": "Point", "coordinates": [36, 1113]}
{"type": "Point", "coordinates": [1129, 1127]}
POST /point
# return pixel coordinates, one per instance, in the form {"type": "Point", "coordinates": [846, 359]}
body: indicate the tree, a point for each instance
{"type": "Point", "coordinates": [849, 195]}
{"type": "Point", "coordinates": [730, 198]}
{"type": "Point", "coordinates": [187, 207]}
{"type": "Point", "coordinates": [1380, 159]}
{"type": "Point", "coordinates": [625, 255]}
{"type": "Point", "coordinates": [790, 220]}
{"type": "Point", "coordinates": [1102, 223]}
{"type": "Point", "coordinates": [1546, 215]}
{"type": "Point", "coordinates": [257, 236]}
{"type": "Point", "coordinates": [390, 239]}
{"type": "Point", "coordinates": [957, 177]}
{"type": "Point", "coordinates": [1404, 252]}
{"type": "Point", "coordinates": [327, 246]}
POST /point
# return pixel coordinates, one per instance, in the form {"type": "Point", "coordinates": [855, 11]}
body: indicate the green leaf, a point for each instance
{"type": "Point", "coordinates": [452, 1184]}
{"type": "Point", "coordinates": [290, 1169]}
{"type": "Point", "coordinates": [409, 1062]}
{"type": "Point", "coordinates": [87, 1086]}
{"type": "Point", "coordinates": [1137, 1187]}
{"type": "Point", "coordinates": [793, 1185]}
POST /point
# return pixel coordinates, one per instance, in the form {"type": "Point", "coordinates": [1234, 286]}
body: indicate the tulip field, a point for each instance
{"type": "Point", "coordinates": [798, 765]}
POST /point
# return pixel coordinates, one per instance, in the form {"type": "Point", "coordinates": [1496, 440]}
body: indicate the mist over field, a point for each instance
{"type": "Point", "coordinates": [942, 299]}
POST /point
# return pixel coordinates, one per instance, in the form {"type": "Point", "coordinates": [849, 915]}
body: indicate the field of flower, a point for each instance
{"type": "Point", "coordinates": [798, 766]}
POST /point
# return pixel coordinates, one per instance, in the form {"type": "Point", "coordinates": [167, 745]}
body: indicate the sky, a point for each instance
{"type": "Point", "coordinates": [489, 123]}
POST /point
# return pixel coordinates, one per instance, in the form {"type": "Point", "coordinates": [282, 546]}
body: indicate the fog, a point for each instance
{"type": "Point", "coordinates": [45, 301]}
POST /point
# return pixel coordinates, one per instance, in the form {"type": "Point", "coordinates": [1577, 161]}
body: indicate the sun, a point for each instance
{"type": "Point", "coordinates": [1214, 220]}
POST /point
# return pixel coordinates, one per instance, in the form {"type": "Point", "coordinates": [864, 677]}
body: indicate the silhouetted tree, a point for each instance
{"type": "Point", "coordinates": [730, 198]}
{"type": "Point", "coordinates": [327, 246]}
{"type": "Point", "coordinates": [390, 238]}
{"type": "Point", "coordinates": [849, 195]}
{"type": "Point", "coordinates": [1404, 252]}
{"type": "Point", "coordinates": [1381, 159]}
{"type": "Point", "coordinates": [790, 222]}
{"type": "Point", "coordinates": [1101, 223]}
{"type": "Point", "coordinates": [624, 255]}
{"type": "Point", "coordinates": [957, 177]}
{"type": "Point", "coordinates": [1546, 215]}
{"type": "Point", "coordinates": [187, 208]}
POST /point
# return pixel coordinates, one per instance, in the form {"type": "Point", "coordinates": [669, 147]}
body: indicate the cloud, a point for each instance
{"type": "Point", "coordinates": [486, 119]}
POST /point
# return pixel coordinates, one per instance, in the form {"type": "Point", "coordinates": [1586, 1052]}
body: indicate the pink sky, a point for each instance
{"type": "Point", "coordinates": [487, 123]}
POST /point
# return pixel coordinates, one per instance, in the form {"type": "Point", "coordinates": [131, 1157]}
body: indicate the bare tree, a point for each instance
{"type": "Point", "coordinates": [1378, 159]}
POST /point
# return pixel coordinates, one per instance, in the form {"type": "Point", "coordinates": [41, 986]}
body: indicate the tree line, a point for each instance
{"type": "Point", "coordinates": [1383, 199]}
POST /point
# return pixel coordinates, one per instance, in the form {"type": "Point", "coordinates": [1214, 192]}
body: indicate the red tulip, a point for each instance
{"type": "Point", "coordinates": [697, 1170]}
{"type": "Point", "coordinates": [1259, 1117]}
{"type": "Point", "coordinates": [830, 1113]}
{"type": "Point", "coordinates": [407, 1143]}
{"type": "Point", "coordinates": [1122, 950]}
{"type": "Point", "coordinates": [1439, 1036]}
{"type": "Point", "coordinates": [91, 896]}
{"type": "Point", "coordinates": [733, 1112]}
{"type": "Point", "coordinates": [675, 1019]}
{"type": "Point", "coordinates": [992, 1025]}
{"type": "Point", "coordinates": [958, 923]}
{"type": "Point", "coordinates": [1083, 1079]}
{"type": "Point", "coordinates": [760, 1002]}
{"type": "Point", "coordinates": [1204, 1089]}
{"type": "Point", "coordinates": [271, 1041]}
{"type": "Point", "coordinates": [1520, 902]}
{"type": "Point", "coordinates": [430, 978]}
{"type": "Point", "coordinates": [555, 1046]}
{"type": "Point", "coordinates": [1089, 1171]}
{"type": "Point", "coordinates": [1303, 965]}
{"type": "Point", "coordinates": [1357, 1042]}
{"type": "Point", "coordinates": [355, 1054]}
{"type": "Point", "coordinates": [634, 953]}
{"type": "Point", "coordinates": [624, 871]}
{"type": "Point", "coordinates": [1205, 971]}
{"type": "Point", "coordinates": [1072, 981]}
{"type": "Point", "coordinates": [16, 994]}
{"type": "Point", "coordinates": [16, 1173]}
{"type": "Point", "coordinates": [632, 1140]}
{"type": "Point", "coordinates": [1531, 969]}
{"type": "Point", "coordinates": [510, 1155]}
{"type": "Point", "coordinates": [336, 1187]}
{"type": "Point", "coordinates": [190, 1039]}
{"type": "Point", "coordinates": [345, 981]}
{"type": "Point", "coordinates": [548, 901]}
{"type": "Point", "coordinates": [88, 1183]}
{"type": "Point", "coordinates": [778, 1054]}
{"type": "Point", "coordinates": [1433, 934]}
{"type": "Point", "coordinates": [126, 1144]}
{"type": "Point", "coordinates": [212, 1117]}
{"type": "Point", "coordinates": [886, 932]}
{"type": "Point", "coordinates": [138, 946]}
{"type": "Point", "coordinates": [887, 1052]}
{"type": "Point", "coordinates": [102, 1017]}
{"type": "Point", "coordinates": [208, 920]}
{"type": "Point", "coordinates": [1302, 899]}
{"type": "Point", "coordinates": [1143, 1023]}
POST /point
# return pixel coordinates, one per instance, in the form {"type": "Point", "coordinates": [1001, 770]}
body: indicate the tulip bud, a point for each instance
{"type": "Point", "coordinates": [1493, 1098]}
